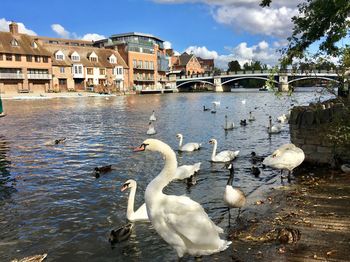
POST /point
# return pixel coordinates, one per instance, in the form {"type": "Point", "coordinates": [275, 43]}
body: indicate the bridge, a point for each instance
{"type": "Point", "coordinates": [282, 78]}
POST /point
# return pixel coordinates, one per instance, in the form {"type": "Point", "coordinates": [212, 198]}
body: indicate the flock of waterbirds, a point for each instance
{"type": "Point", "coordinates": [179, 220]}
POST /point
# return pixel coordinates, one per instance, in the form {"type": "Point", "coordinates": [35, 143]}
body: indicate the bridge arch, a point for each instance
{"type": "Point", "coordinates": [195, 81]}
{"type": "Point", "coordinates": [248, 77]}
{"type": "Point", "coordinates": [314, 77]}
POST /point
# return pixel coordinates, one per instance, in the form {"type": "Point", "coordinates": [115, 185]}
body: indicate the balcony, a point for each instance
{"type": "Point", "coordinates": [119, 77]}
{"type": "Point", "coordinates": [144, 79]}
{"type": "Point", "coordinates": [40, 76]}
{"type": "Point", "coordinates": [11, 76]}
{"type": "Point", "coordinates": [143, 68]}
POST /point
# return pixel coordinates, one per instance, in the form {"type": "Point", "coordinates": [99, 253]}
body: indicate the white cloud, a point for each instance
{"type": "Point", "coordinates": [202, 52]}
{"type": "Point", "coordinates": [167, 45]}
{"type": "Point", "coordinates": [4, 26]}
{"type": "Point", "coordinates": [60, 31]}
{"type": "Point", "coordinates": [93, 37]}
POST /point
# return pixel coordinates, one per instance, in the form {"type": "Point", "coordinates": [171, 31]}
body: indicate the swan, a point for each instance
{"type": "Point", "coordinates": [189, 146]}
{"type": "Point", "coordinates": [286, 157]}
{"type": "Point", "coordinates": [345, 168]}
{"type": "Point", "coordinates": [244, 101]}
{"type": "Point", "coordinates": [151, 130]}
{"type": "Point", "coordinates": [152, 117]}
{"type": "Point", "coordinates": [35, 258]}
{"type": "Point", "coordinates": [223, 156]}
{"type": "Point", "coordinates": [215, 104]}
{"type": "Point", "coordinates": [186, 171]}
{"type": "Point", "coordinates": [179, 220]}
{"type": "Point", "coordinates": [228, 125]}
{"type": "Point", "coordinates": [120, 234]}
{"type": "Point", "coordinates": [282, 119]}
{"type": "Point", "coordinates": [251, 117]}
{"type": "Point", "coordinates": [141, 213]}
{"type": "Point", "coordinates": [273, 129]}
{"type": "Point", "coordinates": [233, 197]}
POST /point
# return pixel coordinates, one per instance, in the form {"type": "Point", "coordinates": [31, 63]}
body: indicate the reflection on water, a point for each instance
{"type": "Point", "coordinates": [51, 201]}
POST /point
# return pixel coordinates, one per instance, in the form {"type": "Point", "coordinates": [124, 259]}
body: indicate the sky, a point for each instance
{"type": "Point", "coordinates": [225, 30]}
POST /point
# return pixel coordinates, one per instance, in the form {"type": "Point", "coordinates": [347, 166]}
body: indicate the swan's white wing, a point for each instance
{"type": "Point", "coordinates": [190, 147]}
{"type": "Point", "coordinates": [185, 171]}
{"type": "Point", "coordinates": [288, 159]}
{"type": "Point", "coordinates": [140, 214]}
{"type": "Point", "coordinates": [226, 155]}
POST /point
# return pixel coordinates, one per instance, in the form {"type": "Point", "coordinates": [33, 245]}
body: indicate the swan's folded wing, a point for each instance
{"type": "Point", "coordinates": [189, 219]}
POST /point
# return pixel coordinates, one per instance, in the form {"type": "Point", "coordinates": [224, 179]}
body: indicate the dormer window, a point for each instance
{"type": "Point", "coordinates": [14, 42]}
{"type": "Point", "coordinates": [112, 59]}
{"type": "Point", "coordinates": [59, 55]}
{"type": "Point", "coordinates": [75, 57]}
{"type": "Point", "coordinates": [93, 57]}
{"type": "Point", "coordinates": [34, 45]}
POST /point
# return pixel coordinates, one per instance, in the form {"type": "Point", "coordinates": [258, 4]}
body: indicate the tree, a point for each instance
{"type": "Point", "coordinates": [319, 20]}
{"type": "Point", "coordinates": [234, 66]}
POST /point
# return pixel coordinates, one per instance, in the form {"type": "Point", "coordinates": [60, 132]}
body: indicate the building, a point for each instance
{"type": "Point", "coordinates": [145, 56]}
{"type": "Point", "coordinates": [25, 66]}
{"type": "Point", "coordinates": [206, 64]}
{"type": "Point", "coordinates": [77, 66]}
{"type": "Point", "coordinates": [188, 64]}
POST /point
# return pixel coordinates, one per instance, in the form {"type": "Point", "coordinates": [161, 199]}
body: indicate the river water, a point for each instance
{"type": "Point", "coordinates": [50, 201]}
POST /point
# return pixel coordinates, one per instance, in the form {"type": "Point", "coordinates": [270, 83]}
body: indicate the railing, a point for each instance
{"type": "Point", "coordinates": [119, 77]}
{"type": "Point", "coordinates": [143, 68]}
{"type": "Point", "coordinates": [11, 76]}
{"type": "Point", "coordinates": [39, 76]}
{"type": "Point", "coordinates": [143, 79]}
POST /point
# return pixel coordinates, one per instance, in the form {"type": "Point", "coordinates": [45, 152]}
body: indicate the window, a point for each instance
{"type": "Point", "coordinates": [45, 59]}
{"type": "Point", "coordinates": [34, 45]}
{"type": "Point", "coordinates": [18, 57]}
{"type": "Point", "coordinates": [37, 59]}
{"type": "Point", "coordinates": [102, 72]}
{"type": "Point", "coordinates": [112, 60]}
{"type": "Point", "coordinates": [8, 57]}
{"type": "Point", "coordinates": [151, 65]}
{"type": "Point", "coordinates": [146, 64]}
{"type": "Point", "coordinates": [75, 58]}
{"type": "Point", "coordinates": [14, 42]}
{"type": "Point", "coordinates": [134, 63]}
{"type": "Point", "coordinates": [62, 70]}
{"type": "Point", "coordinates": [93, 59]}
{"type": "Point", "coordinates": [1, 57]}
{"type": "Point", "coordinates": [29, 58]}
{"type": "Point", "coordinates": [90, 71]}
{"type": "Point", "coordinates": [120, 71]}
{"type": "Point", "coordinates": [140, 64]}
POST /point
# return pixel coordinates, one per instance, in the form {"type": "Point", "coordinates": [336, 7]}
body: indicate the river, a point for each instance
{"type": "Point", "coordinates": [50, 201]}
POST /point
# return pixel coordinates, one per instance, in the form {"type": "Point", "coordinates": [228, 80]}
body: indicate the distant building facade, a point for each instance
{"type": "Point", "coordinates": [206, 64]}
{"type": "Point", "coordinates": [188, 64]}
{"type": "Point", "coordinates": [145, 56]}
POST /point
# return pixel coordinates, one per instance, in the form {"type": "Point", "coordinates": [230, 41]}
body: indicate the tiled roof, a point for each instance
{"type": "Point", "coordinates": [184, 58]}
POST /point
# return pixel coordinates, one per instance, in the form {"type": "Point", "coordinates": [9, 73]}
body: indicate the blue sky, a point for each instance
{"type": "Point", "coordinates": [221, 29]}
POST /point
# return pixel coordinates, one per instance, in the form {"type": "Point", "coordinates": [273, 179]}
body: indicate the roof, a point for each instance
{"type": "Point", "coordinates": [103, 55]}
{"type": "Point", "coordinates": [24, 47]}
{"type": "Point", "coordinates": [184, 58]}
{"type": "Point", "coordinates": [64, 40]}
{"type": "Point", "coordinates": [137, 34]}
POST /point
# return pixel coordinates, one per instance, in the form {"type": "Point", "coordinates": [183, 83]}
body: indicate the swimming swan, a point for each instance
{"type": "Point", "coordinates": [286, 157]}
{"type": "Point", "coordinates": [186, 171]}
{"type": "Point", "coordinates": [152, 117]}
{"type": "Point", "coordinates": [273, 129]}
{"type": "Point", "coordinates": [223, 156]}
{"type": "Point", "coordinates": [141, 213]}
{"type": "Point", "coordinates": [187, 147]}
{"type": "Point", "coordinates": [228, 125]}
{"type": "Point", "coordinates": [151, 130]}
{"type": "Point", "coordinates": [179, 220]}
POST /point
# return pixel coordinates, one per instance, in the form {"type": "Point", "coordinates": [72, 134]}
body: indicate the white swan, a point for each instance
{"type": "Point", "coordinates": [186, 171]}
{"type": "Point", "coordinates": [180, 221]}
{"type": "Point", "coordinates": [228, 125]}
{"type": "Point", "coordinates": [233, 197]}
{"type": "Point", "coordinates": [189, 146]}
{"type": "Point", "coordinates": [286, 157]}
{"type": "Point", "coordinates": [244, 101]}
{"type": "Point", "coordinates": [282, 119]}
{"type": "Point", "coordinates": [273, 129]}
{"type": "Point", "coordinates": [345, 168]}
{"type": "Point", "coordinates": [223, 156]}
{"type": "Point", "coordinates": [151, 130]}
{"type": "Point", "coordinates": [152, 117]}
{"type": "Point", "coordinates": [251, 117]}
{"type": "Point", "coordinates": [141, 213]}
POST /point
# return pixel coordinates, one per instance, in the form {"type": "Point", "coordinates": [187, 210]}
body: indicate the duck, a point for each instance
{"type": "Point", "coordinates": [228, 125]}
{"type": "Point", "coordinates": [255, 171]}
{"type": "Point", "coordinates": [60, 140]}
{"type": "Point", "coordinates": [102, 169]}
{"type": "Point", "coordinates": [345, 168]}
{"type": "Point", "coordinates": [233, 197]}
{"type": "Point", "coordinates": [273, 129]}
{"type": "Point", "coordinates": [243, 122]}
{"type": "Point", "coordinates": [120, 234]}
{"type": "Point", "coordinates": [254, 158]}
{"type": "Point", "coordinates": [286, 157]}
{"type": "Point", "coordinates": [223, 156]}
{"type": "Point", "coordinates": [153, 117]}
{"type": "Point", "coordinates": [186, 171]}
{"type": "Point", "coordinates": [180, 221]}
{"type": "Point", "coordinates": [35, 258]}
{"type": "Point", "coordinates": [189, 147]}
{"type": "Point", "coordinates": [141, 213]}
{"type": "Point", "coordinates": [205, 109]}
{"type": "Point", "coordinates": [151, 130]}
{"type": "Point", "coordinates": [251, 117]}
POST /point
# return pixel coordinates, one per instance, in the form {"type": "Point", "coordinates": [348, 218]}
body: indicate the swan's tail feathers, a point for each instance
{"type": "Point", "coordinates": [236, 153]}
{"type": "Point", "coordinates": [199, 145]}
{"type": "Point", "coordinates": [224, 245]}
{"type": "Point", "coordinates": [219, 229]}
{"type": "Point", "coordinates": [197, 166]}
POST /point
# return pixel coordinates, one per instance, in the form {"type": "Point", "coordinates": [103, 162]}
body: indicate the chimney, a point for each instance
{"type": "Point", "coordinates": [13, 28]}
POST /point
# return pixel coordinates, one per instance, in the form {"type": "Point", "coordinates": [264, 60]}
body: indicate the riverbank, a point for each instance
{"type": "Point", "coordinates": [18, 96]}
{"type": "Point", "coordinates": [316, 206]}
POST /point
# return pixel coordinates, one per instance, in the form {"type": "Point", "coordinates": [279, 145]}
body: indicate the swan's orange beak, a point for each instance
{"type": "Point", "coordinates": [140, 148]}
{"type": "Point", "coordinates": [123, 188]}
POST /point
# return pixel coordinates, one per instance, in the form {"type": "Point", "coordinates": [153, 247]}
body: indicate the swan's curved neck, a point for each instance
{"type": "Point", "coordinates": [214, 150]}
{"type": "Point", "coordinates": [180, 142]}
{"type": "Point", "coordinates": [131, 200]}
{"type": "Point", "coordinates": [155, 187]}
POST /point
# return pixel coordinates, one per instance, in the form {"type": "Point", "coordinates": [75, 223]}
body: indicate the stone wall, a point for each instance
{"type": "Point", "coordinates": [312, 129]}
